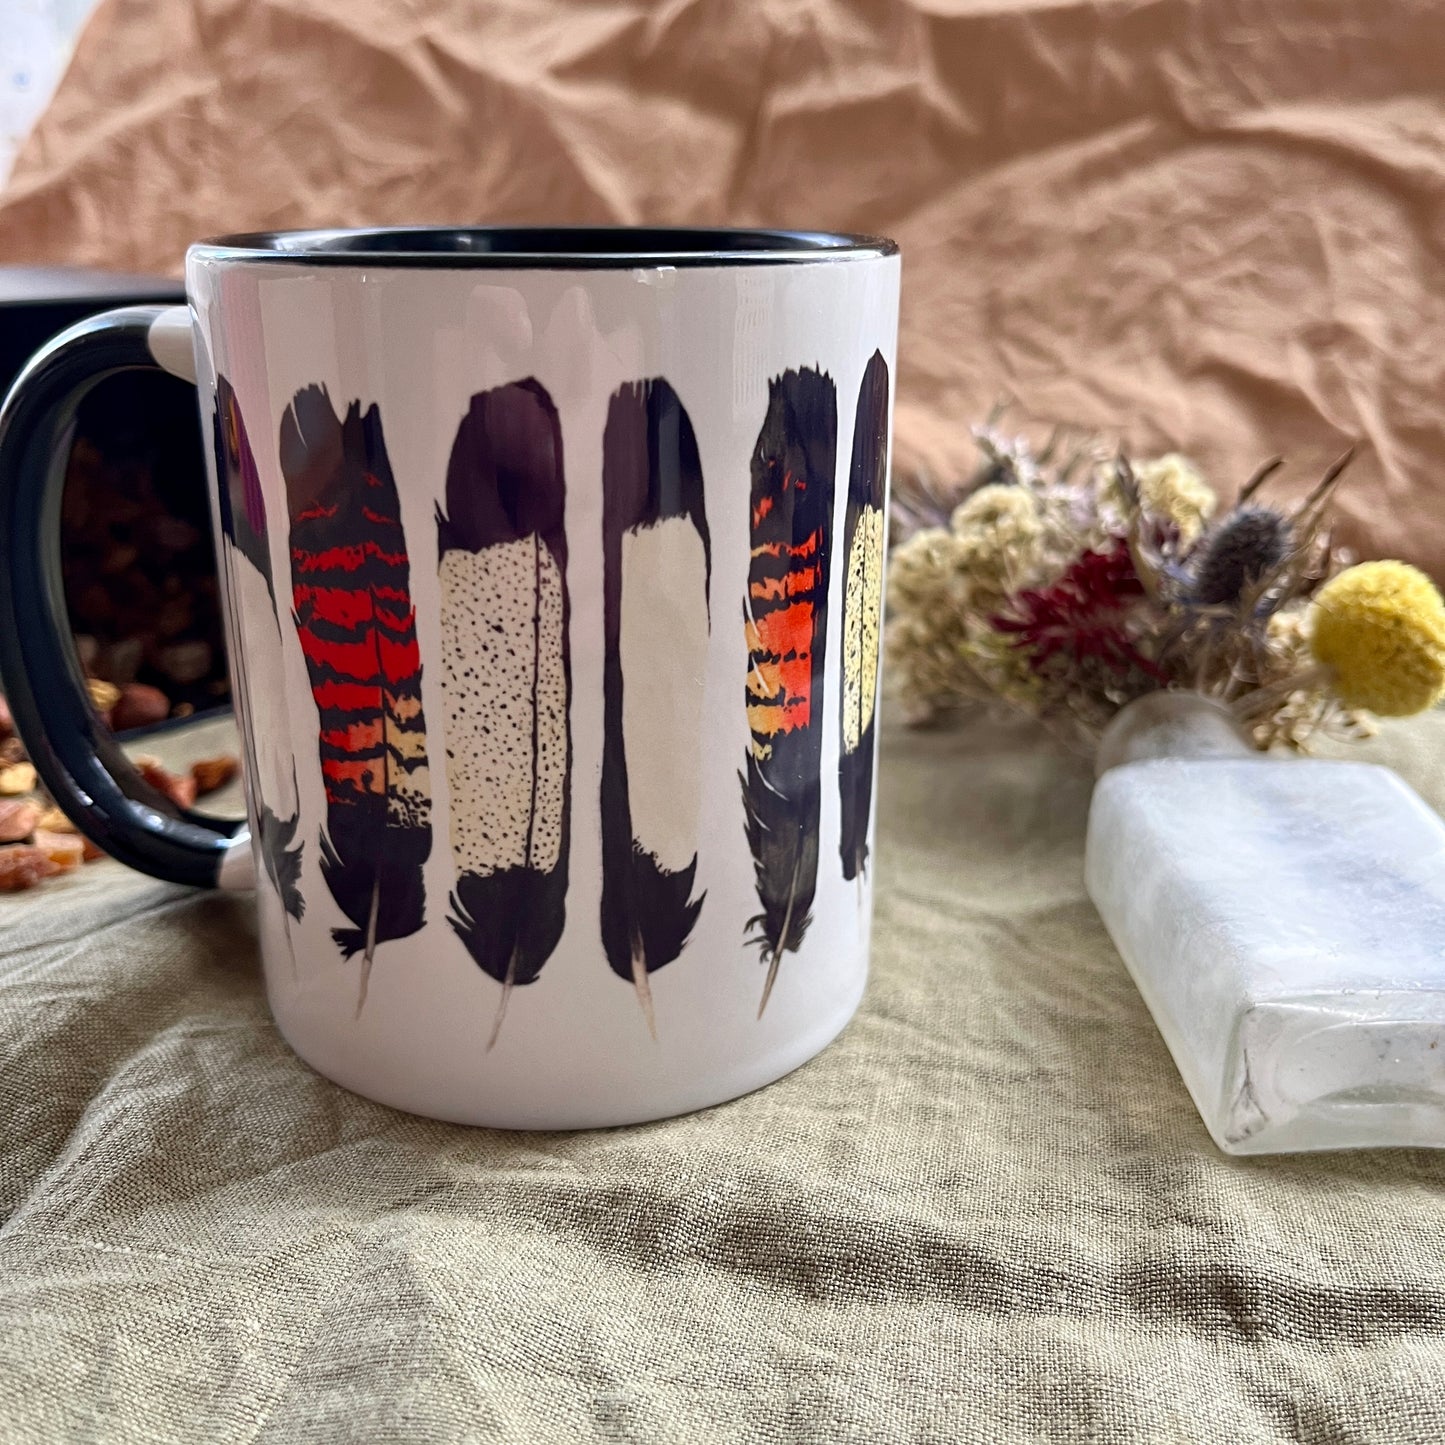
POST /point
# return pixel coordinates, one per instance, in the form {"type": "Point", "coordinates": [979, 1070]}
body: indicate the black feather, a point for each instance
{"type": "Point", "coordinates": [650, 473]}
{"type": "Point", "coordinates": [283, 862]}
{"type": "Point", "coordinates": [243, 525]}
{"type": "Point", "coordinates": [786, 616]}
{"type": "Point", "coordinates": [242, 505]}
{"type": "Point", "coordinates": [505, 485]}
{"type": "Point", "coordinates": [867, 486]}
{"type": "Point", "coordinates": [353, 614]}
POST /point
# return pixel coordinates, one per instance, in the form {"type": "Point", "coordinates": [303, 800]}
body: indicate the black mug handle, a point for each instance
{"type": "Point", "coordinates": [74, 753]}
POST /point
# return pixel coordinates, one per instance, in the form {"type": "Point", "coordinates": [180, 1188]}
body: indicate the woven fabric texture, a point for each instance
{"type": "Point", "coordinates": [987, 1213]}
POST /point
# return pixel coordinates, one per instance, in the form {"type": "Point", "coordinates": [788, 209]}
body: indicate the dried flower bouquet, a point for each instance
{"type": "Point", "coordinates": [1068, 581]}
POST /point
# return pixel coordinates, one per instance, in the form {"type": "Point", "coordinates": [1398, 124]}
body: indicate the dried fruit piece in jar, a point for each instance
{"type": "Point", "coordinates": [18, 820]}
{"type": "Point", "coordinates": [179, 788]}
{"type": "Point", "coordinates": [103, 695]}
{"type": "Point", "coordinates": [17, 778]}
{"type": "Point", "coordinates": [139, 706]}
{"type": "Point", "coordinates": [22, 866]}
{"type": "Point", "coordinates": [65, 850]}
{"type": "Point", "coordinates": [213, 773]}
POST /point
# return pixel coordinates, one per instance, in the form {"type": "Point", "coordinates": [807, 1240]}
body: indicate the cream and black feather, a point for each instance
{"type": "Point", "coordinates": [506, 682]}
{"type": "Point", "coordinates": [657, 564]}
{"type": "Point", "coordinates": [863, 527]}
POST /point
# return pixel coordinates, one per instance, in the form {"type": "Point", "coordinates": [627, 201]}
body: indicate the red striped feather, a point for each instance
{"type": "Point", "coordinates": [351, 603]}
{"type": "Point", "coordinates": [785, 615]}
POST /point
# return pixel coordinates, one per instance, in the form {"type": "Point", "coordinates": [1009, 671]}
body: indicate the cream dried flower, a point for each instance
{"type": "Point", "coordinates": [999, 536]}
{"type": "Point", "coordinates": [1288, 631]}
{"type": "Point", "coordinates": [1310, 709]}
{"type": "Point", "coordinates": [999, 507]}
{"type": "Point", "coordinates": [1170, 486]}
{"type": "Point", "coordinates": [927, 629]}
{"type": "Point", "coordinates": [924, 568]}
{"type": "Point", "coordinates": [944, 584]}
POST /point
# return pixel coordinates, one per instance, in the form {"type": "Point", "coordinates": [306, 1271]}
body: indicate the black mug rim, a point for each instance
{"type": "Point", "coordinates": [543, 247]}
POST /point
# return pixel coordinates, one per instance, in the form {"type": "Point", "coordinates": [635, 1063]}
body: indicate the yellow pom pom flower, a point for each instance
{"type": "Point", "coordinates": [1380, 628]}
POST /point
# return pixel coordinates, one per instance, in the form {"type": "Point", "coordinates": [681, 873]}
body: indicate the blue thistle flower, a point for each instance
{"type": "Point", "coordinates": [1238, 553]}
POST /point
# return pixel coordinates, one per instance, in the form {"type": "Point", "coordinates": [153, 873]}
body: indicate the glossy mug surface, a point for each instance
{"type": "Point", "coordinates": [553, 586]}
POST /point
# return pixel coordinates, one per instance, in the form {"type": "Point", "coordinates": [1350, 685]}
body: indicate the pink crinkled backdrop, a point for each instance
{"type": "Point", "coordinates": [1211, 227]}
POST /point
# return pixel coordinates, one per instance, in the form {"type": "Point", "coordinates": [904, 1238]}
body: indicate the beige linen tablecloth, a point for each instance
{"type": "Point", "coordinates": [988, 1212]}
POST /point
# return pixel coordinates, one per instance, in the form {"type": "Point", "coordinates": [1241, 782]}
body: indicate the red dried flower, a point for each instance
{"type": "Point", "coordinates": [1081, 617]}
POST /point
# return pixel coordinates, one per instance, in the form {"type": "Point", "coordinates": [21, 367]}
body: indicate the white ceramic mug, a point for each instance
{"type": "Point", "coordinates": [553, 573]}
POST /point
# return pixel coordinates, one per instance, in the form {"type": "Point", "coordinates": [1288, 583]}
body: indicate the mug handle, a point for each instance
{"type": "Point", "coordinates": [74, 753]}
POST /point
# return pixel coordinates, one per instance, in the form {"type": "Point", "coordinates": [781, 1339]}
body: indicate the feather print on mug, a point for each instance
{"type": "Point", "coordinates": [862, 613]}
{"type": "Point", "coordinates": [352, 607]}
{"type": "Point", "coordinates": [260, 685]}
{"type": "Point", "coordinates": [785, 622]}
{"type": "Point", "coordinates": [657, 562]}
{"type": "Point", "coordinates": [507, 680]}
